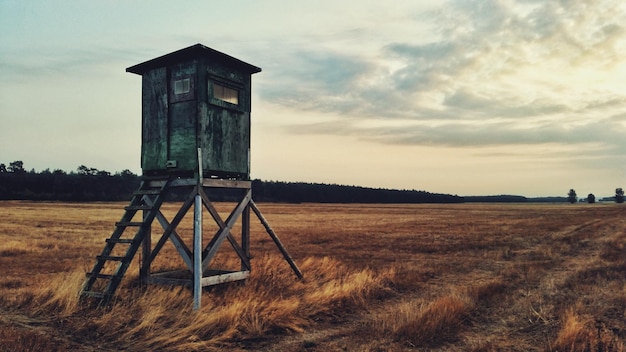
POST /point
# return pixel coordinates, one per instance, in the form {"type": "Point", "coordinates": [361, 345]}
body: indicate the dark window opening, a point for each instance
{"type": "Point", "coordinates": [226, 94]}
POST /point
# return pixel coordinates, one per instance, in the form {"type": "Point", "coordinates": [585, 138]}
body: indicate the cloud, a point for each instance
{"type": "Point", "coordinates": [494, 73]}
{"type": "Point", "coordinates": [315, 80]}
{"type": "Point", "coordinates": [490, 133]}
{"type": "Point", "coordinates": [41, 62]}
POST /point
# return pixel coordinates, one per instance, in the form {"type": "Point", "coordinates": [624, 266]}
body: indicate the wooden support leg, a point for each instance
{"type": "Point", "coordinates": [274, 237]}
{"type": "Point", "coordinates": [197, 253]}
{"type": "Point", "coordinates": [146, 252]}
{"type": "Point", "coordinates": [245, 238]}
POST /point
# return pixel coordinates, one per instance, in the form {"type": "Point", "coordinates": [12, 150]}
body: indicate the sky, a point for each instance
{"type": "Point", "coordinates": [461, 97]}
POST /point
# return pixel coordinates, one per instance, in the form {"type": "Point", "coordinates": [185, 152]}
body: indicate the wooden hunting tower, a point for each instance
{"type": "Point", "coordinates": [196, 137]}
{"type": "Point", "coordinates": [194, 98]}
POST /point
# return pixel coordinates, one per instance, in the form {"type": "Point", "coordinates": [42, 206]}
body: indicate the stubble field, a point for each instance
{"type": "Point", "coordinates": [463, 277]}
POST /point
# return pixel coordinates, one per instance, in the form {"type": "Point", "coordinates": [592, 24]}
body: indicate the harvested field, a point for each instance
{"type": "Point", "coordinates": [461, 277]}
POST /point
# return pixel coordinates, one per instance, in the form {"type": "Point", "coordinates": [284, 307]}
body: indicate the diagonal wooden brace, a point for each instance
{"type": "Point", "coordinates": [274, 237]}
{"type": "Point", "coordinates": [172, 226]}
{"type": "Point", "coordinates": [218, 219]}
{"type": "Point", "coordinates": [217, 240]}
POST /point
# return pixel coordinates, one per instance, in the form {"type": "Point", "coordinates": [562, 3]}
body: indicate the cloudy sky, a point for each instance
{"type": "Point", "coordinates": [462, 97]}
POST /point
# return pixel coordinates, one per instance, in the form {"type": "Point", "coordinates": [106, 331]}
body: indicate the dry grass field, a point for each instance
{"type": "Point", "coordinates": [463, 277]}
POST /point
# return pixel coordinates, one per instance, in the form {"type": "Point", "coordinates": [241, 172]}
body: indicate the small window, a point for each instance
{"type": "Point", "coordinates": [182, 86]}
{"type": "Point", "coordinates": [226, 94]}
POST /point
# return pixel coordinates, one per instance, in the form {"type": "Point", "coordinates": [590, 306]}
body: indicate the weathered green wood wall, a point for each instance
{"type": "Point", "coordinates": [224, 127]}
{"type": "Point", "coordinates": [175, 125]}
{"type": "Point", "coordinates": [154, 120]}
{"type": "Point", "coordinates": [183, 121]}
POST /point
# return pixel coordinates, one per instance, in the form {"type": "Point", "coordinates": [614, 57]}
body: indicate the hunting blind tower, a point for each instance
{"type": "Point", "coordinates": [196, 105]}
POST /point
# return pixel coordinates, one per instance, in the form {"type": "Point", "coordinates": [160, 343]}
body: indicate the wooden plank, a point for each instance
{"type": "Point", "coordinates": [110, 257]}
{"type": "Point", "coordinates": [197, 252]}
{"type": "Point", "coordinates": [153, 279]}
{"type": "Point", "coordinates": [217, 183]}
{"type": "Point", "coordinates": [157, 183]}
{"type": "Point", "coordinates": [146, 243]}
{"type": "Point", "coordinates": [212, 277]}
{"type": "Point", "coordinates": [94, 294]}
{"type": "Point", "coordinates": [245, 239]}
{"type": "Point", "coordinates": [100, 276]}
{"type": "Point", "coordinates": [137, 207]}
{"type": "Point", "coordinates": [225, 135]}
{"type": "Point", "coordinates": [181, 130]}
{"type": "Point", "coordinates": [142, 192]}
{"type": "Point", "coordinates": [129, 223]}
{"type": "Point", "coordinates": [154, 119]}
{"type": "Point", "coordinates": [223, 278]}
{"type": "Point", "coordinates": [119, 240]}
{"type": "Point", "coordinates": [212, 182]}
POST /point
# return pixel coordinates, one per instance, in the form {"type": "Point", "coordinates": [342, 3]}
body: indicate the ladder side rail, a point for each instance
{"type": "Point", "coordinates": [108, 248]}
{"type": "Point", "coordinates": [121, 226]}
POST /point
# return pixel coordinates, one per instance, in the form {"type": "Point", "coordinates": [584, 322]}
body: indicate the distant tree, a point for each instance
{"type": "Point", "coordinates": [16, 167]}
{"type": "Point", "coordinates": [591, 198]}
{"type": "Point", "coordinates": [3, 168]}
{"type": "Point", "coordinates": [619, 195]}
{"type": "Point", "coordinates": [571, 196]}
{"type": "Point", "coordinates": [84, 170]}
{"type": "Point", "coordinates": [126, 173]}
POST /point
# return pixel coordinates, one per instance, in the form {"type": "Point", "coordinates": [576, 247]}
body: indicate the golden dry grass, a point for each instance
{"type": "Point", "coordinates": [464, 277]}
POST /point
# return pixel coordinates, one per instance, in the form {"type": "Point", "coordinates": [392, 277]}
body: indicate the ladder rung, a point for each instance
{"type": "Point", "coordinates": [129, 223]}
{"type": "Point", "coordinates": [142, 192]}
{"type": "Point", "coordinates": [138, 207]}
{"type": "Point", "coordinates": [100, 276]}
{"type": "Point", "coordinates": [94, 294]}
{"type": "Point", "coordinates": [154, 177]}
{"type": "Point", "coordinates": [120, 240]}
{"type": "Point", "coordinates": [110, 257]}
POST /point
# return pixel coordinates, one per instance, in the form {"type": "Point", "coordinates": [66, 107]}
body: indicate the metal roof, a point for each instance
{"type": "Point", "coordinates": [192, 52]}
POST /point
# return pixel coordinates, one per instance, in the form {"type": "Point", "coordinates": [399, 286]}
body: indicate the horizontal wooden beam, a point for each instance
{"type": "Point", "coordinates": [206, 182]}
{"type": "Point", "coordinates": [220, 277]}
{"type": "Point", "coordinates": [212, 182]}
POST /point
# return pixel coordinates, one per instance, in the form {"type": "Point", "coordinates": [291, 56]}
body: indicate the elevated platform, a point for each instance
{"type": "Point", "coordinates": [121, 247]}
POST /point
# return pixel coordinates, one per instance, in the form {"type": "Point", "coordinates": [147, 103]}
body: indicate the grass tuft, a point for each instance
{"type": "Point", "coordinates": [161, 318]}
{"type": "Point", "coordinates": [419, 323]}
{"type": "Point", "coordinates": [60, 295]}
{"type": "Point", "coordinates": [581, 333]}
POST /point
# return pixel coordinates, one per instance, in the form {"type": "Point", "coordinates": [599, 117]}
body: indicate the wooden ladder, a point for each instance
{"type": "Point", "coordinates": [112, 263]}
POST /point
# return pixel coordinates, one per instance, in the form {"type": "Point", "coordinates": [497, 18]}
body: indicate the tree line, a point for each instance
{"type": "Point", "coordinates": [84, 184]}
{"type": "Point", "coordinates": [91, 184]}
